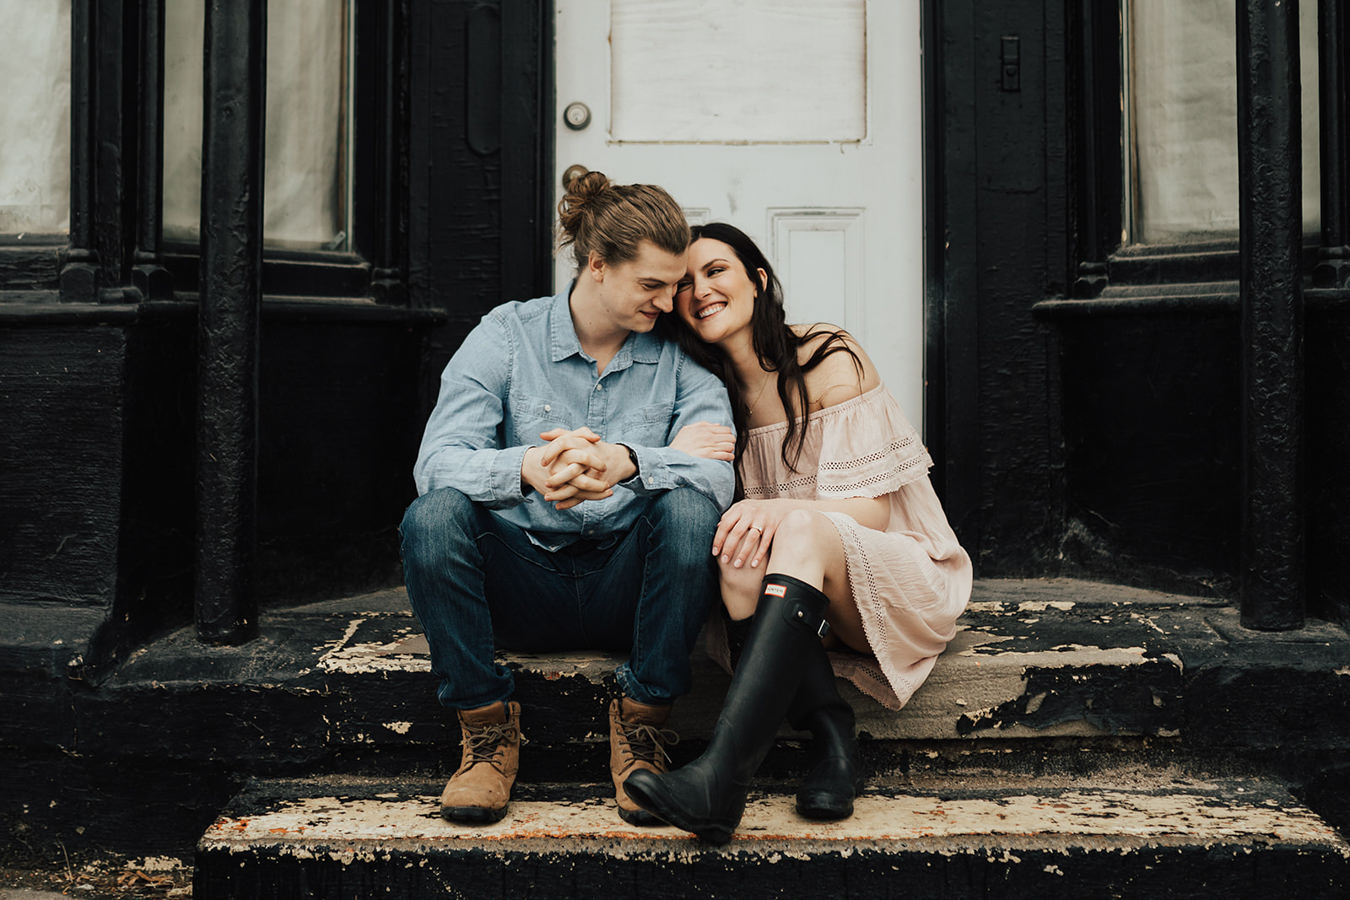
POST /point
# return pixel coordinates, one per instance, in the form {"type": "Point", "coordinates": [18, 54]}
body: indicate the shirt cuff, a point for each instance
{"type": "Point", "coordinates": [653, 474]}
{"type": "Point", "coordinates": [504, 477]}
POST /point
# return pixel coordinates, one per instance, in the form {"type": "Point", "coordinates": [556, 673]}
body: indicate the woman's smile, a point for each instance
{"type": "Point", "coordinates": [716, 298]}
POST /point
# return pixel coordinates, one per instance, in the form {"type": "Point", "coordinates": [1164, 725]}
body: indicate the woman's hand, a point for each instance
{"type": "Point", "coordinates": [706, 440]}
{"type": "Point", "coordinates": [746, 531]}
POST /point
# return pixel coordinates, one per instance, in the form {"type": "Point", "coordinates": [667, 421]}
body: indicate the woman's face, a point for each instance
{"type": "Point", "coordinates": [716, 297]}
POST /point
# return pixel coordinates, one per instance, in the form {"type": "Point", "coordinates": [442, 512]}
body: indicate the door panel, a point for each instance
{"type": "Point", "coordinates": [798, 121]}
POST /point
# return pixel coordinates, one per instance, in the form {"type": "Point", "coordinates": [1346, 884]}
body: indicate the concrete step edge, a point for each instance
{"type": "Point", "coordinates": [1129, 808]}
{"type": "Point", "coordinates": [1234, 838]}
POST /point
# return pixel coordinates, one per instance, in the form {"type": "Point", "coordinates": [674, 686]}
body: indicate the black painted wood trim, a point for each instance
{"type": "Point", "coordinates": [953, 293]}
{"type": "Point", "coordinates": [934, 250]}
{"type": "Point", "coordinates": [1094, 83]}
{"type": "Point", "coordinates": [30, 267]}
{"type": "Point", "coordinates": [380, 199]}
{"type": "Point", "coordinates": [44, 311]}
{"type": "Point", "coordinates": [1333, 21]}
{"type": "Point", "coordinates": [105, 112]}
{"type": "Point", "coordinates": [79, 273]}
{"type": "Point", "coordinates": [1273, 579]}
{"type": "Point", "coordinates": [526, 121]}
{"type": "Point", "coordinates": [116, 145]}
{"type": "Point", "coordinates": [234, 106]}
{"type": "Point", "coordinates": [148, 274]}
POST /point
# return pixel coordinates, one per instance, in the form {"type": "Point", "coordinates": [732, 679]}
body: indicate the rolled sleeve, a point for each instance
{"type": "Point", "coordinates": [700, 397]}
{"type": "Point", "coordinates": [460, 446]}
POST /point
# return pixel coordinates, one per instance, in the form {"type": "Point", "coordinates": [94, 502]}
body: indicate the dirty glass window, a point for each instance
{"type": "Point", "coordinates": [35, 117]}
{"type": "Point", "coordinates": [307, 191]}
{"type": "Point", "coordinates": [1181, 119]}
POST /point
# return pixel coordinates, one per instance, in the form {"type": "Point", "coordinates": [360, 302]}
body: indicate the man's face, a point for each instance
{"type": "Point", "coordinates": [633, 294]}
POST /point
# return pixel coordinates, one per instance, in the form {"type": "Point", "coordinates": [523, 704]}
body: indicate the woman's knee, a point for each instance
{"type": "Point", "coordinates": [802, 532]}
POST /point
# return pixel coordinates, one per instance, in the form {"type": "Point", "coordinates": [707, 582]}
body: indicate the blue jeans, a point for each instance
{"type": "Point", "coordinates": [476, 583]}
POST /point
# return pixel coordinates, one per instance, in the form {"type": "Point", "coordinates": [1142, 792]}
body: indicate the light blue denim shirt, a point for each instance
{"type": "Point", "coordinates": [521, 372]}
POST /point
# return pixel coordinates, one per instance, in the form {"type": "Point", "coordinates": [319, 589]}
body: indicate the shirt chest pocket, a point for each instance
{"type": "Point", "coordinates": [646, 426]}
{"type": "Point", "coordinates": [531, 416]}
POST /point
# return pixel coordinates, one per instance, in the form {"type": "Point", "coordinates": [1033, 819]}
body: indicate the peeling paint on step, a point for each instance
{"type": "Point", "coordinates": [367, 827]}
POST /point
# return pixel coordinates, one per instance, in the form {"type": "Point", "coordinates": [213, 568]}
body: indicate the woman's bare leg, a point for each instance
{"type": "Point", "coordinates": [806, 546]}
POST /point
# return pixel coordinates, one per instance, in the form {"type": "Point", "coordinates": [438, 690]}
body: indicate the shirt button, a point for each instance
{"type": "Point", "coordinates": [547, 408]}
{"type": "Point", "coordinates": [599, 387]}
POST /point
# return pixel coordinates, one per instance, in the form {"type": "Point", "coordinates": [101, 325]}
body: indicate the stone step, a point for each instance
{"type": "Point", "coordinates": [346, 686]}
{"type": "Point", "coordinates": [1145, 833]}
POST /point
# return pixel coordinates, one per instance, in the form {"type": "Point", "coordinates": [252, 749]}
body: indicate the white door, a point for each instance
{"type": "Point", "coordinates": [798, 121]}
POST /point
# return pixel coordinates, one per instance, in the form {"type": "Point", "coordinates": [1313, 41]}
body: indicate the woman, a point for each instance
{"type": "Point", "coordinates": [837, 513]}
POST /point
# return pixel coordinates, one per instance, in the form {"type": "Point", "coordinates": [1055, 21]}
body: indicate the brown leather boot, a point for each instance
{"type": "Point", "coordinates": [480, 791]}
{"type": "Point", "coordinates": [637, 741]}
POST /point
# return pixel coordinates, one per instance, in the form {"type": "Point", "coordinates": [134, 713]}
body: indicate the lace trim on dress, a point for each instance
{"type": "Point", "coordinates": [842, 476]}
{"type": "Point", "coordinates": [780, 488]}
{"type": "Point", "coordinates": [862, 447]}
{"type": "Point", "coordinates": [857, 462]}
{"type": "Point", "coordinates": [863, 582]}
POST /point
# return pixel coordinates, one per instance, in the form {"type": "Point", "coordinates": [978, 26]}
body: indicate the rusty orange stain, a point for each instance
{"type": "Point", "coordinates": [230, 824]}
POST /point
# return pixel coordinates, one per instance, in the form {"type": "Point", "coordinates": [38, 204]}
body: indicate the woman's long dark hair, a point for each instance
{"type": "Point", "coordinates": [775, 343]}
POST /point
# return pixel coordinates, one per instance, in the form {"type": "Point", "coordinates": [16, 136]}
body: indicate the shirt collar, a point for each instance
{"type": "Point", "coordinates": [642, 347]}
{"type": "Point", "coordinates": [563, 334]}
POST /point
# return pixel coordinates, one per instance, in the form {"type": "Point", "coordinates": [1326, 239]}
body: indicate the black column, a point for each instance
{"type": "Point", "coordinates": [1333, 27]}
{"type": "Point", "coordinates": [148, 275]}
{"type": "Point", "coordinates": [1094, 85]}
{"type": "Point", "coordinates": [380, 220]}
{"type": "Point", "coordinates": [1271, 221]}
{"type": "Point", "coordinates": [104, 145]}
{"type": "Point", "coordinates": [231, 292]}
{"type": "Point", "coordinates": [79, 270]}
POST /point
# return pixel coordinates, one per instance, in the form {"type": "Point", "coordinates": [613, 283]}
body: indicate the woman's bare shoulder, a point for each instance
{"type": "Point", "coordinates": [842, 374]}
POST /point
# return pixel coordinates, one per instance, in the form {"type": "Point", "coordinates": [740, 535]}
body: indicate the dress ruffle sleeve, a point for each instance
{"type": "Point", "coordinates": [868, 448]}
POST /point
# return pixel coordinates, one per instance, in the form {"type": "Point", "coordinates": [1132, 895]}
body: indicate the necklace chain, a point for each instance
{"type": "Point", "coordinates": [763, 386]}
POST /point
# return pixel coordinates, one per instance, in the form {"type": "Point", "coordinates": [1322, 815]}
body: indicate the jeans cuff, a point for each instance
{"type": "Point", "coordinates": [633, 689]}
{"type": "Point", "coordinates": [496, 695]}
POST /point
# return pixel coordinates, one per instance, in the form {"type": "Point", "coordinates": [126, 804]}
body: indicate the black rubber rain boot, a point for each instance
{"type": "Point", "coordinates": [707, 796]}
{"type": "Point", "coordinates": [835, 777]}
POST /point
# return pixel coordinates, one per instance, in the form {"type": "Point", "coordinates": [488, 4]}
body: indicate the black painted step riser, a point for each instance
{"type": "Point", "coordinates": [1004, 872]}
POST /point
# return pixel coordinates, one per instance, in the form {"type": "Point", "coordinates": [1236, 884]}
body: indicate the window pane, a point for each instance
{"type": "Point", "coordinates": [1182, 111]}
{"type": "Point", "coordinates": [35, 116]}
{"type": "Point", "coordinates": [306, 192]}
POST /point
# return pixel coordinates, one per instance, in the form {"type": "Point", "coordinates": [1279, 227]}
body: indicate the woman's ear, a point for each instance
{"type": "Point", "coordinates": [763, 279]}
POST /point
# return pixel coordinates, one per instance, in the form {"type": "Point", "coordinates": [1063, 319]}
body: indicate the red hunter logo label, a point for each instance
{"type": "Point", "coordinates": [777, 590]}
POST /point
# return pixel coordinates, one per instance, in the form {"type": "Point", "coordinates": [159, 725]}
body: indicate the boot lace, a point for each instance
{"type": "Point", "coordinates": [647, 743]}
{"type": "Point", "coordinates": [482, 743]}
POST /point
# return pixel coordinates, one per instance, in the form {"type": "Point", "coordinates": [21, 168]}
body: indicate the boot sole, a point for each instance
{"type": "Point", "coordinates": [824, 813]}
{"type": "Point", "coordinates": [472, 815]}
{"type": "Point", "coordinates": [639, 817]}
{"type": "Point", "coordinates": [713, 833]}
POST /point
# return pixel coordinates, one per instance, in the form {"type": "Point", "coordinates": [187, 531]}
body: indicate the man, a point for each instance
{"type": "Point", "coordinates": [553, 514]}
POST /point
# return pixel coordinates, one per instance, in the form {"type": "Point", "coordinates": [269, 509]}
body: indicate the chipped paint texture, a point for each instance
{"type": "Point", "coordinates": [1041, 667]}
{"type": "Point", "coordinates": [407, 652]}
{"type": "Point", "coordinates": [988, 680]}
{"type": "Point", "coordinates": [1102, 819]}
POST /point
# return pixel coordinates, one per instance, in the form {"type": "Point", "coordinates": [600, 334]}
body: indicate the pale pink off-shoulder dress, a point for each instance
{"type": "Point", "coordinates": [912, 580]}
